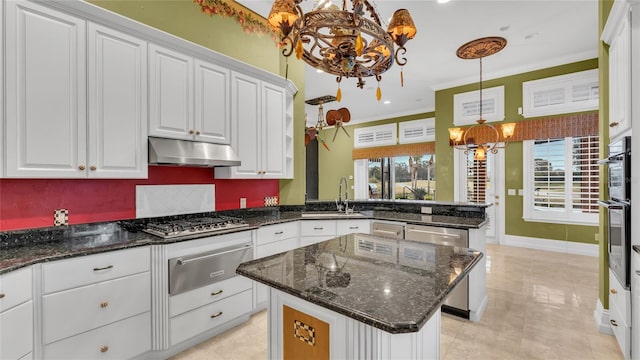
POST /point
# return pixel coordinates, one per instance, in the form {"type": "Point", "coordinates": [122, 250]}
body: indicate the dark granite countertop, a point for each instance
{"type": "Point", "coordinates": [25, 247]}
{"type": "Point", "coordinates": [393, 285]}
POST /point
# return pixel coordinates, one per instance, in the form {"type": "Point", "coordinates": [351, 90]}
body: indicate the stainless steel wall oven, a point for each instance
{"type": "Point", "coordinates": [619, 208]}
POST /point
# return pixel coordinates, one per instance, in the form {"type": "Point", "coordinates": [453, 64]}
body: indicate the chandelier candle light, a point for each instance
{"type": "Point", "coordinates": [462, 139]}
{"type": "Point", "coordinates": [344, 43]}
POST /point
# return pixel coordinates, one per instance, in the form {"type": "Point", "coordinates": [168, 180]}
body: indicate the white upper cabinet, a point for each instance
{"type": "Point", "coordinates": [212, 102]}
{"type": "Point", "coordinates": [617, 33]}
{"type": "Point", "coordinates": [170, 94]}
{"type": "Point", "coordinates": [45, 92]}
{"type": "Point", "coordinates": [117, 104]}
{"type": "Point", "coordinates": [261, 126]}
{"type": "Point", "coordinates": [189, 97]}
{"type": "Point", "coordinates": [73, 110]}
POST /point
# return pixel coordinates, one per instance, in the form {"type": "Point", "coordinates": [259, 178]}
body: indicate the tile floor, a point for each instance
{"type": "Point", "coordinates": [540, 307]}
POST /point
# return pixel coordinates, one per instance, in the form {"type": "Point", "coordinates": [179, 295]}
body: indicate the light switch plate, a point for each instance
{"type": "Point", "coordinates": [425, 209]}
{"type": "Point", "coordinates": [243, 203]}
{"type": "Point", "coordinates": [511, 192]}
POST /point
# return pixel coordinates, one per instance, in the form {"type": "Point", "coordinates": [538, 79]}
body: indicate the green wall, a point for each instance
{"type": "Point", "coordinates": [514, 224]}
{"type": "Point", "coordinates": [334, 164]}
{"type": "Point", "coordinates": [184, 19]}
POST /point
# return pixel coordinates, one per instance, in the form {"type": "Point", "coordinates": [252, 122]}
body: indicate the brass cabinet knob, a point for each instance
{"type": "Point", "coordinates": [105, 348]}
{"type": "Point", "coordinates": [216, 315]}
{"type": "Point", "coordinates": [497, 203]}
{"type": "Point", "coordinates": [104, 304]}
{"type": "Point", "coordinates": [614, 124]}
{"type": "Point", "coordinates": [81, 167]}
{"type": "Point", "coordinates": [197, 132]}
{"type": "Point", "coordinates": [191, 132]}
{"type": "Point", "coordinates": [92, 168]}
{"type": "Point", "coordinates": [614, 291]}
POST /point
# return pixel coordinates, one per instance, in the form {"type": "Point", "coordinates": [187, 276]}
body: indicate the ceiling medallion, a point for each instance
{"type": "Point", "coordinates": [463, 138]}
{"type": "Point", "coordinates": [343, 41]}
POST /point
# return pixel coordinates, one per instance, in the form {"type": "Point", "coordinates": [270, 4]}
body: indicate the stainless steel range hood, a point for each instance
{"type": "Point", "coordinates": [190, 153]}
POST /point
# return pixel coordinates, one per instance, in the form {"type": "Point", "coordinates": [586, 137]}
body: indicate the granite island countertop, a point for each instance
{"type": "Point", "coordinates": [393, 285]}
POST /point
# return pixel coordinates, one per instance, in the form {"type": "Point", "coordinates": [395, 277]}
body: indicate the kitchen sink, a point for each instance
{"type": "Point", "coordinates": [328, 214]}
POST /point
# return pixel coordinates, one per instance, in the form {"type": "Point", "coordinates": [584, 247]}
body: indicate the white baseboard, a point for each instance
{"type": "Point", "coordinates": [601, 317]}
{"type": "Point", "coordinates": [562, 246]}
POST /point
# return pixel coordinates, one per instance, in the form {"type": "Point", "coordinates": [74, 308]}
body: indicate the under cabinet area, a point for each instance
{"type": "Point", "coordinates": [89, 301]}
{"type": "Point", "coordinates": [81, 112]}
{"type": "Point", "coordinates": [16, 315]}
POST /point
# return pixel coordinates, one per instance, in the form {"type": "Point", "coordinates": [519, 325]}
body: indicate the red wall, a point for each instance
{"type": "Point", "coordinates": [30, 203]}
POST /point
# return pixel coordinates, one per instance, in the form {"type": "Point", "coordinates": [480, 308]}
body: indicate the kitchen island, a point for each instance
{"type": "Point", "coordinates": [359, 296]}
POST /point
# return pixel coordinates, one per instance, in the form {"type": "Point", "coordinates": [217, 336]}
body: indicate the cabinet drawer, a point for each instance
{"type": "Point", "coordinates": [120, 340]}
{"type": "Point", "coordinates": [67, 274]}
{"type": "Point", "coordinates": [194, 322]}
{"type": "Point", "coordinates": [276, 247]}
{"type": "Point", "coordinates": [74, 311]}
{"type": "Point", "coordinates": [345, 227]}
{"type": "Point", "coordinates": [277, 232]}
{"type": "Point", "coordinates": [15, 288]}
{"type": "Point", "coordinates": [318, 228]}
{"type": "Point", "coordinates": [621, 330]}
{"type": "Point", "coordinates": [619, 299]}
{"type": "Point", "coordinates": [16, 332]}
{"type": "Point", "coordinates": [190, 300]}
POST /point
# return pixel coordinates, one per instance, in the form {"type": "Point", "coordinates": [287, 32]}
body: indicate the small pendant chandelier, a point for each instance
{"type": "Point", "coordinates": [342, 42]}
{"type": "Point", "coordinates": [462, 138]}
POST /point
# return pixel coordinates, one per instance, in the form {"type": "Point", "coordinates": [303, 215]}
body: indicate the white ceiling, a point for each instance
{"type": "Point", "coordinates": [539, 34]}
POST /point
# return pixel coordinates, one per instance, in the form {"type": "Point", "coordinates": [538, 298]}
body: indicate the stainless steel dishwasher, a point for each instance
{"type": "Point", "coordinates": [458, 301]}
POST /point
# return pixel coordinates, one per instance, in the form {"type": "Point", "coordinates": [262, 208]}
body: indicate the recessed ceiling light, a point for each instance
{"type": "Point", "coordinates": [319, 71]}
{"type": "Point", "coordinates": [532, 35]}
{"type": "Point", "coordinates": [442, 1]}
{"type": "Point", "coordinates": [386, 102]}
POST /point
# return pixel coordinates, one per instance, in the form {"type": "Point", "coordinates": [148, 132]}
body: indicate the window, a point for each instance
{"type": "Point", "coordinates": [380, 135]}
{"type": "Point", "coordinates": [466, 106]}
{"type": "Point", "coordinates": [561, 94]}
{"type": "Point", "coordinates": [561, 179]}
{"type": "Point", "coordinates": [400, 177]}
{"type": "Point", "coordinates": [417, 131]}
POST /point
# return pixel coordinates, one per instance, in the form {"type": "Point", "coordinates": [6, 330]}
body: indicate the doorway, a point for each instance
{"type": "Point", "coordinates": [482, 181]}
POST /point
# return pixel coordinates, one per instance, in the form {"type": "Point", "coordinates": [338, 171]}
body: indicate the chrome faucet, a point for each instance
{"type": "Point", "coordinates": [346, 195]}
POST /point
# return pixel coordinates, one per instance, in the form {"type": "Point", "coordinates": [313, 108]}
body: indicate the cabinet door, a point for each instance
{"type": "Point", "coordinates": [170, 94]}
{"type": "Point", "coordinates": [212, 103]}
{"type": "Point", "coordinates": [273, 131]}
{"type": "Point", "coordinates": [46, 87]}
{"type": "Point", "coordinates": [117, 104]}
{"type": "Point", "coordinates": [619, 74]}
{"type": "Point", "coordinates": [16, 332]}
{"type": "Point", "coordinates": [246, 133]}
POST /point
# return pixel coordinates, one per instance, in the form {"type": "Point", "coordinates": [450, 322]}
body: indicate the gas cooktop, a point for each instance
{"type": "Point", "coordinates": [201, 225]}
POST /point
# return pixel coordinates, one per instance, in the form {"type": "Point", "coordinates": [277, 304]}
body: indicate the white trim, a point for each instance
{"type": "Point", "coordinates": [563, 60]}
{"type": "Point", "coordinates": [619, 10]}
{"type": "Point", "coordinates": [601, 317]}
{"type": "Point", "coordinates": [564, 83]}
{"type": "Point", "coordinates": [561, 246]}
{"type": "Point", "coordinates": [360, 179]}
{"type": "Point", "coordinates": [494, 94]}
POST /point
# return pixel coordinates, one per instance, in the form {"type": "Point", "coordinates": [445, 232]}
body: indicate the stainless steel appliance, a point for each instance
{"type": "Point", "coordinates": [395, 231]}
{"type": "Point", "coordinates": [194, 226]}
{"type": "Point", "coordinates": [190, 153]}
{"type": "Point", "coordinates": [197, 270]}
{"type": "Point", "coordinates": [619, 208]}
{"type": "Point", "coordinates": [457, 302]}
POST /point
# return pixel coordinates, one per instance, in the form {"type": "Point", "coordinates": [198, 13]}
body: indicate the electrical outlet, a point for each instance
{"type": "Point", "coordinates": [60, 217]}
{"type": "Point", "coordinates": [243, 203]}
{"type": "Point", "coordinates": [425, 210]}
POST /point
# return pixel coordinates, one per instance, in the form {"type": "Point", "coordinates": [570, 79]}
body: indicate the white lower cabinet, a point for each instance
{"type": "Point", "coordinates": [97, 306]}
{"type": "Point", "coordinates": [192, 323]}
{"type": "Point", "coordinates": [620, 314]}
{"type": "Point", "coordinates": [121, 340]}
{"type": "Point", "coordinates": [315, 231]}
{"type": "Point", "coordinates": [345, 227]}
{"type": "Point", "coordinates": [16, 315]}
{"type": "Point", "coordinates": [16, 331]}
{"type": "Point", "coordinates": [196, 298]}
